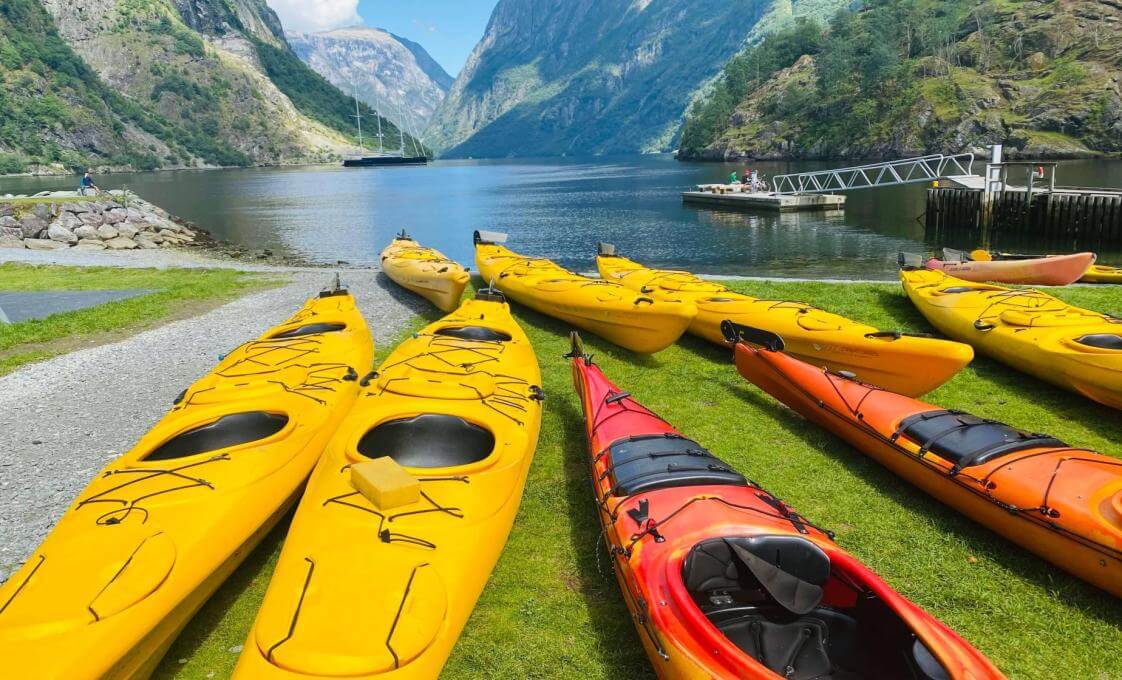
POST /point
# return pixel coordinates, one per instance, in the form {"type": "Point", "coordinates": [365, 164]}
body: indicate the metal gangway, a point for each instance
{"type": "Point", "coordinates": [885, 174]}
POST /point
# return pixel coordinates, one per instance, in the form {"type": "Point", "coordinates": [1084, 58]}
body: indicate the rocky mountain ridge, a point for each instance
{"type": "Point", "coordinates": [392, 74]}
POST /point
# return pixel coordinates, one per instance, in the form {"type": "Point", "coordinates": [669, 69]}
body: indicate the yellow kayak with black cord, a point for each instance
{"type": "Point", "coordinates": [906, 364]}
{"type": "Point", "coordinates": [1031, 331]}
{"type": "Point", "coordinates": [1102, 273]}
{"type": "Point", "coordinates": [405, 516]}
{"type": "Point", "coordinates": [161, 527]}
{"type": "Point", "coordinates": [634, 321]}
{"type": "Point", "coordinates": [425, 271]}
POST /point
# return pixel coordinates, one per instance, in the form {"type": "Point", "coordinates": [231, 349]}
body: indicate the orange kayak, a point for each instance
{"type": "Point", "coordinates": [724, 580]}
{"type": "Point", "coordinates": [1056, 270]}
{"type": "Point", "coordinates": [1061, 502]}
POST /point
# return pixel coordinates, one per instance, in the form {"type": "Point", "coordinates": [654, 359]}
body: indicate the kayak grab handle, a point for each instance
{"type": "Point", "coordinates": [735, 333]}
{"type": "Point", "coordinates": [577, 351]}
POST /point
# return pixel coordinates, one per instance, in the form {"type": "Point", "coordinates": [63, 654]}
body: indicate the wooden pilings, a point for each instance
{"type": "Point", "coordinates": [1077, 218]}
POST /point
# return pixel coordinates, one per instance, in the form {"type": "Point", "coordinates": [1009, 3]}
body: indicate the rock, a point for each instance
{"type": "Point", "coordinates": [91, 218]}
{"type": "Point", "coordinates": [12, 231]}
{"type": "Point", "coordinates": [107, 232]}
{"type": "Point", "coordinates": [85, 232]}
{"type": "Point", "coordinates": [42, 194]}
{"type": "Point", "coordinates": [135, 214]}
{"type": "Point", "coordinates": [9, 241]}
{"type": "Point", "coordinates": [57, 232]}
{"type": "Point", "coordinates": [171, 235]}
{"type": "Point", "coordinates": [116, 215]}
{"type": "Point", "coordinates": [32, 226]}
{"type": "Point", "coordinates": [1037, 61]}
{"type": "Point", "coordinates": [121, 243]}
{"type": "Point", "coordinates": [79, 207]}
{"type": "Point", "coordinates": [69, 221]}
{"type": "Point", "coordinates": [9, 221]}
{"type": "Point", "coordinates": [146, 241]}
{"type": "Point", "coordinates": [42, 211]}
{"type": "Point", "coordinates": [127, 230]}
{"type": "Point", "coordinates": [44, 244]}
{"type": "Point", "coordinates": [90, 244]}
{"type": "Point", "coordinates": [6, 210]}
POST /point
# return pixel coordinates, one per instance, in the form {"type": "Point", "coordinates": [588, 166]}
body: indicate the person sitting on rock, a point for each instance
{"type": "Point", "coordinates": [87, 185]}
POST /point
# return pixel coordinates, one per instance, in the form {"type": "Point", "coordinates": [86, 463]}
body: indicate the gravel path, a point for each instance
{"type": "Point", "coordinates": [61, 420]}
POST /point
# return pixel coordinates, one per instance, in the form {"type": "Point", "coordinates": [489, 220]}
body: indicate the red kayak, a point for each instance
{"type": "Point", "coordinates": [724, 580]}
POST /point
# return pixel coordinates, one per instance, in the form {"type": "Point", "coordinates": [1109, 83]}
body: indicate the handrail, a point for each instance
{"type": "Point", "coordinates": [883, 174]}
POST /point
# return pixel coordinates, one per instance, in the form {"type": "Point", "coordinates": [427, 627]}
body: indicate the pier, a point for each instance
{"type": "Point", "coordinates": [763, 200]}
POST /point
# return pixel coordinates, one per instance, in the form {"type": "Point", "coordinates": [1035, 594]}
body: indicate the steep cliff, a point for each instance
{"type": "Point", "coordinates": [160, 83]}
{"type": "Point", "coordinates": [394, 75]}
{"type": "Point", "coordinates": [594, 76]}
{"type": "Point", "coordinates": [908, 77]}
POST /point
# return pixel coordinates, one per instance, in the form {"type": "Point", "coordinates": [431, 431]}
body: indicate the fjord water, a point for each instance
{"type": "Point", "coordinates": [559, 208]}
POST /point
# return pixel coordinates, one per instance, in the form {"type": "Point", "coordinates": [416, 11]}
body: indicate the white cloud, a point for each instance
{"type": "Point", "coordinates": [307, 16]}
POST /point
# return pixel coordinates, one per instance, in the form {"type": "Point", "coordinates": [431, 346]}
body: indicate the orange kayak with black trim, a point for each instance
{"type": "Point", "coordinates": [724, 580]}
{"type": "Point", "coordinates": [1063, 503]}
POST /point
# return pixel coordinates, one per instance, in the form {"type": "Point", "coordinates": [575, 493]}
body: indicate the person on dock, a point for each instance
{"type": "Point", "coordinates": [732, 178]}
{"type": "Point", "coordinates": [87, 185]}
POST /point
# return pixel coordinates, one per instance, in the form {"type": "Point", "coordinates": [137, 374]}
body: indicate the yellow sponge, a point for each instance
{"type": "Point", "coordinates": [385, 483]}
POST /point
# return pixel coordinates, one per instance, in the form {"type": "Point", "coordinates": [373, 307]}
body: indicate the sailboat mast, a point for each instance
{"type": "Point", "coordinates": [358, 114]}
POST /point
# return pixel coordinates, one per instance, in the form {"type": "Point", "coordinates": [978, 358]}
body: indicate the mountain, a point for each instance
{"type": "Point", "coordinates": [144, 84]}
{"type": "Point", "coordinates": [394, 75]}
{"type": "Point", "coordinates": [555, 77]}
{"type": "Point", "coordinates": [910, 77]}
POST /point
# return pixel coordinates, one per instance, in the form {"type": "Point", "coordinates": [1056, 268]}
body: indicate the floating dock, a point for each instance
{"type": "Point", "coordinates": [764, 200]}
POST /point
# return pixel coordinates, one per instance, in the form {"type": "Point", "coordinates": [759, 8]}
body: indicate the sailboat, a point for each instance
{"type": "Point", "coordinates": [382, 158]}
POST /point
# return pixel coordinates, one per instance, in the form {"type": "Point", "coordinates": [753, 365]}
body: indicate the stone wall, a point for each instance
{"type": "Point", "coordinates": [112, 221]}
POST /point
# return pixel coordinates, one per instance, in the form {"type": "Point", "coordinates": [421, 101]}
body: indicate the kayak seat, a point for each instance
{"type": "Point", "coordinates": [429, 440]}
{"type": "Point", "coordinates": [227, 431]}
{"type": "Point", "coordinates": [474, 333]}
{"type": "Point", "coordinates": [309, 329]}
{"type": "Point", "coordinates": [641, 464]}
{"type": "Point", "coordinates": [1101, 341]}
{"type": "Point", "coordinates": [966, 440]}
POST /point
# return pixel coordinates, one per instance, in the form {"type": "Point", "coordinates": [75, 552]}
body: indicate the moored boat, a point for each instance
{"type": "Point", "coordinates": [724, 580]}
{"type": "Point", "coordinates": [161, 527]}
{"type": "Point", "coordinates": [1062, 502]}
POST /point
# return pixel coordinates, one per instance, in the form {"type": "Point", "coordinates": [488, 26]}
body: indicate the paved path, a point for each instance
{"type": "Point", "coordinates": [61, 420]}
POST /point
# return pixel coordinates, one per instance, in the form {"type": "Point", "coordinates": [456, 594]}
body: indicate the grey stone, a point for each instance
{"type": "Point", "coordinates": [135, 214]}
{"type": "Point", "coordinates": [116, 215]}
{"type": "Point", "coordinates": [85, 232]}
{"type": "Point", "coordinates": [69, 221]}
{"type": "Point", "coordinates": [90, 244]}
{"type": "Point", "coordinates": [91, 218]}
{"type": "Point", "coordinates": [11, 231]}
{"type": "Point", "coordinates": [32, 226]}
{"type": "Point", "coordinates": [42, 211]}
{"type": "Point", "coordinates": [145, 241]}
{"type": "Point", "coordinates": [57, 232]}
{"type": "Point", "coordinates": [9, 221]}
{"type": "Point", "coordinates": [44, 244]}
{"type": "Point", "coordinates": [42, 194]}
{"type": "Point", "coordinates": [127, 230]}
{"type": "Point", "coordinates": [9, 241]}
{"type": "Point", "coordinates": [107, 232]}
{"type": "Point", "coordinates": [121, 243]}
{"type": "Point", "coordinates": [6, 210]}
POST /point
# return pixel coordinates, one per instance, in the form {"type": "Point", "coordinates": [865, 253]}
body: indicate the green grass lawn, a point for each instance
{"type": "Point", "coordinates": [552, 608]}
{"type": "Point", "coordinates": [179, 293]}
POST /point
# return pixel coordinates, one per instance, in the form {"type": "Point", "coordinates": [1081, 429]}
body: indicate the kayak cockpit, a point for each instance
{"type": "Point", "coordinates": [428, 440]}
{"type": "Point", "coordinates": [779, 599]}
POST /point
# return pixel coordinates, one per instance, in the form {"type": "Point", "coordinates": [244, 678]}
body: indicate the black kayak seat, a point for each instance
{"type": "Point", "coordinates": [646, 463]}
{"type": "Point", "coordinates": [429, 440]}
{"type": "Point", "coordinates": [310, 329]}
{"type": "Point", "coordinates": [790, 569]}
{"type": "Point", "coordinates": [480, 333]}
{"type": "Point", "coordinates": [232, 430]}
{"type": "Point", "coordinates": [966, 440]}
{"type": "Point", "coordinates": [1101, 340]}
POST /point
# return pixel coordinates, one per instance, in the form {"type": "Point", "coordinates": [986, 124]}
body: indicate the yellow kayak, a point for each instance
{"type": "Point", "coordinates": [425, 271]}
{"type": "Point", "coordinates": [637, 322]}
{"type": "Point", "coordinates": [900, 363]}
{"type": "Point", "coordinates": [1026, 329]}
{"type": "Point", "coordinates": [1101, 273]}
{"type": "Point", "coordinates": [160, 528]}
{"type": "Point", "coordinates": [408, 511]}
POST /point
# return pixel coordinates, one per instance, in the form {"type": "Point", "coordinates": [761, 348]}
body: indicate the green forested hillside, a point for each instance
{"type": "Point", "coordinates": [901, 77]}
{"type": "Point", "coordinates": [144, 84]}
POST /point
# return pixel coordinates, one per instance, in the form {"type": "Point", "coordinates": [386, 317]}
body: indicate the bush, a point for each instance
{"type": "Point", "coordinates": [11, 164]}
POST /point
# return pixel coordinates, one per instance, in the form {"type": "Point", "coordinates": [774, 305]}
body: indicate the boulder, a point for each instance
{"type": "Point", "coordinates": [135, 214]}
{"type": "Point", "coordinates": [127, 230]}
{"type": "Point", "coordinates": [146, 241]}
{"type": "Point", "coordinates": [90, 244]}
{"type": "Point", "coordinates": [6, 210]}
{"type": "Point", "coordinates": [91, 218]}
{"type": "Point", "coordinates": [9, 221]}
{"type": "Point", "coordinates": [107, 232]}
{"type": "Point", "coordinates": [69, 221]}
{"type": "Point", "coordinates": [32, 226]}
{"type": "Point", "coordinates": [57, 232]}
{"type": "Point", "coordinates": [79, 207]}
{"type": "Point", "coordinates": [11, 231]}
{"type": "Point", "coordinates": [44, 244]}
{"type": "Point", "coordinates": [8, 241]}
{"type": "Point", "coordinates": [116, 215]}
{"type": "Point", "coordinates": [171, 236]}
{"type": "Point", "coordinates": [85, 232]}
{"type": "Point", "coordinates": [121, 243]}
{"type": "Point", "coordinates": [42, 211]}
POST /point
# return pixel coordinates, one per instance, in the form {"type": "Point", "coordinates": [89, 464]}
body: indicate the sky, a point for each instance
{"type": "Point", "coordinates": [448, 29]}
